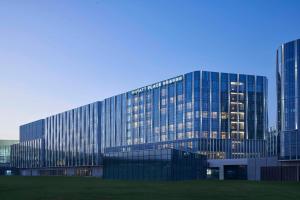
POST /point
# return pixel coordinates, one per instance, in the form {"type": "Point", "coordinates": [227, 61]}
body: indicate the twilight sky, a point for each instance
{"type": "Point", "coordinates": [56, 55]}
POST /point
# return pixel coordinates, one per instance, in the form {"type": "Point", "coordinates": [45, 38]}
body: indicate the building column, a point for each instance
{"type": "Point", "coordinates": [221, 172]}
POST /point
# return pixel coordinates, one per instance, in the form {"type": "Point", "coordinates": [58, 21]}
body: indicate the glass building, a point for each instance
{"type": "Point", "coordinates": [5, 159]}
{"type": "Point", "coordinates": [219, 115]}
{"type": "Point", "coordinates": [288, 90]}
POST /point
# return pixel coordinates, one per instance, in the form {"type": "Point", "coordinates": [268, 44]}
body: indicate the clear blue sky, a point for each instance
{"type": "Point", "coordinates": [56, 55]}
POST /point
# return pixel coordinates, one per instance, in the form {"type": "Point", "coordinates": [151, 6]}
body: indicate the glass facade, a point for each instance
{"type": "Point", "coordinates": [288, 89]}
{"type": "Point", "coordinates": [68, 139]}
{"type": "Point", "coordinates": [5, 157]}
{"type": "Point", "coordinates": [217, 114]}
{"type": "Point", "coordinates": [5, 146]}
{"type": "Point", "coordinates": [220, 115]}
{"type": "Point", "coordinates": [31, 131]}
{"type": "Point", "coordinates": [159, 164]}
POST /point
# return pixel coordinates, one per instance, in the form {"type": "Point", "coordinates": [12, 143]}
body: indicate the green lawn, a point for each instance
{"type": "Point", "coordinates": [86, 188]}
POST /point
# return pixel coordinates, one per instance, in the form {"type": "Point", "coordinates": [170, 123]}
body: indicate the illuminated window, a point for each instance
{"type": "Point", "coordinates": [204, 114]}
{"type": "Point", "coordinates": [189, 134]}
{"type": "Point", "coordinates": [224, 115]}
{"type": "Point", "coordinates": [223, 135]}
{"type": "Point", "coordinates": [149, 122]}
{"type": "Point", "coordinates": [214, 115]}
{"type": "Point", "coordinates": [189, 115]}
{"type": "Point", "coordinates": [180, 135]}
{"type": "Point", "coordinates": [171, 127]}
{"type": "Point", "coordinates": [163, 137]}
{"type": "Point", "coordinates": [180, 126]}
{"type": "Point", "coordinates": [156, 130]}
{"type": "Point", "coordinates": [163, 102]}
{"type": "Point", "coordinates": [171, 99]}
{"type": "Point", "coordinates": [205, 134]}
{"type": "Point", "coordinates": [136, 99]}
{"type": "Point", "coordinates": [214, 134]}
{"type": "Point", "coordinates": [163, 129]}
{"type": "Point", "coordinates": [241, 116]}
{"type": "Point", "coordinates": [189, 125]}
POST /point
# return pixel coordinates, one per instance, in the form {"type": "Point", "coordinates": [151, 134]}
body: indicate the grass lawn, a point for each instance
{"type": "Point", "coordinates": [86, 188]}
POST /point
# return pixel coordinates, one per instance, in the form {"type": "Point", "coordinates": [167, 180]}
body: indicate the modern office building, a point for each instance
{"type": "Point", "coordinates": [220, 115]}
{"type": "Point", "coordinates": [5, 161]}
{"type": "Point", "coordinates": [288, 103]}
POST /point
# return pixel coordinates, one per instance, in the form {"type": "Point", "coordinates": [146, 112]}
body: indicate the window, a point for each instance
{"type": "Point", "coordinates": [180, 135]}
{"type": "Point", "coordinates": [224, 115]}
{"type": "Point", "coordinates": [163, 137]}
{"type": "Point", "coordinates": [136, 99]}
{"type": "Point", "coordinates": [189, 134]}
{"type": "Point", "coordinates": [141, 123]}
{"type": "Point", "coordinates": [163, 92]}
{"type": "Point", "coordinates": [149, 122]}
{"type": "Point", "coordinates": [163, 129]}
{"type": "Point", "coordinates": [197, 114]}
{"type": "Point", "coordinates": [171, 99]}
{"type": "Point", "coordinates": [189, 115]}
{"type": "Point", "coordinates": [223, 135]}
{"type": "Point", "coordinates": [214, 115]}
{"type": "Point", "coordinates": [179, 107]}
{"type": "Point", "coordinates": [180, 126]}
{"type": "Point", "coordinates": [148, 106]}
{"type": "Point", "coordinates": [214, 134]}
{"type": "Point", "coordinates": [204, 114]}
{"type": "Point", "coordinates": [180, 97]}
{"type": "Point", "coordinates": [163, 102]}
{"type": "Point", "coordinates": [189, 125]}
{"type": "Point", "coordinates": [171, 127]}
{"type": "Point", "coordinates": [189, 105]}
{"type": "Point", "coordinates": [205, 134]}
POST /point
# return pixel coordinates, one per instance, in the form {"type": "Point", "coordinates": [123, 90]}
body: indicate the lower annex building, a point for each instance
{"type": "Point", "coordinates": [218, 115]}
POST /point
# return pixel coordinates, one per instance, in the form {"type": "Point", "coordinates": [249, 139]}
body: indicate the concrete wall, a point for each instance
{"type": "Point", "coordinates": [253, 165]}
